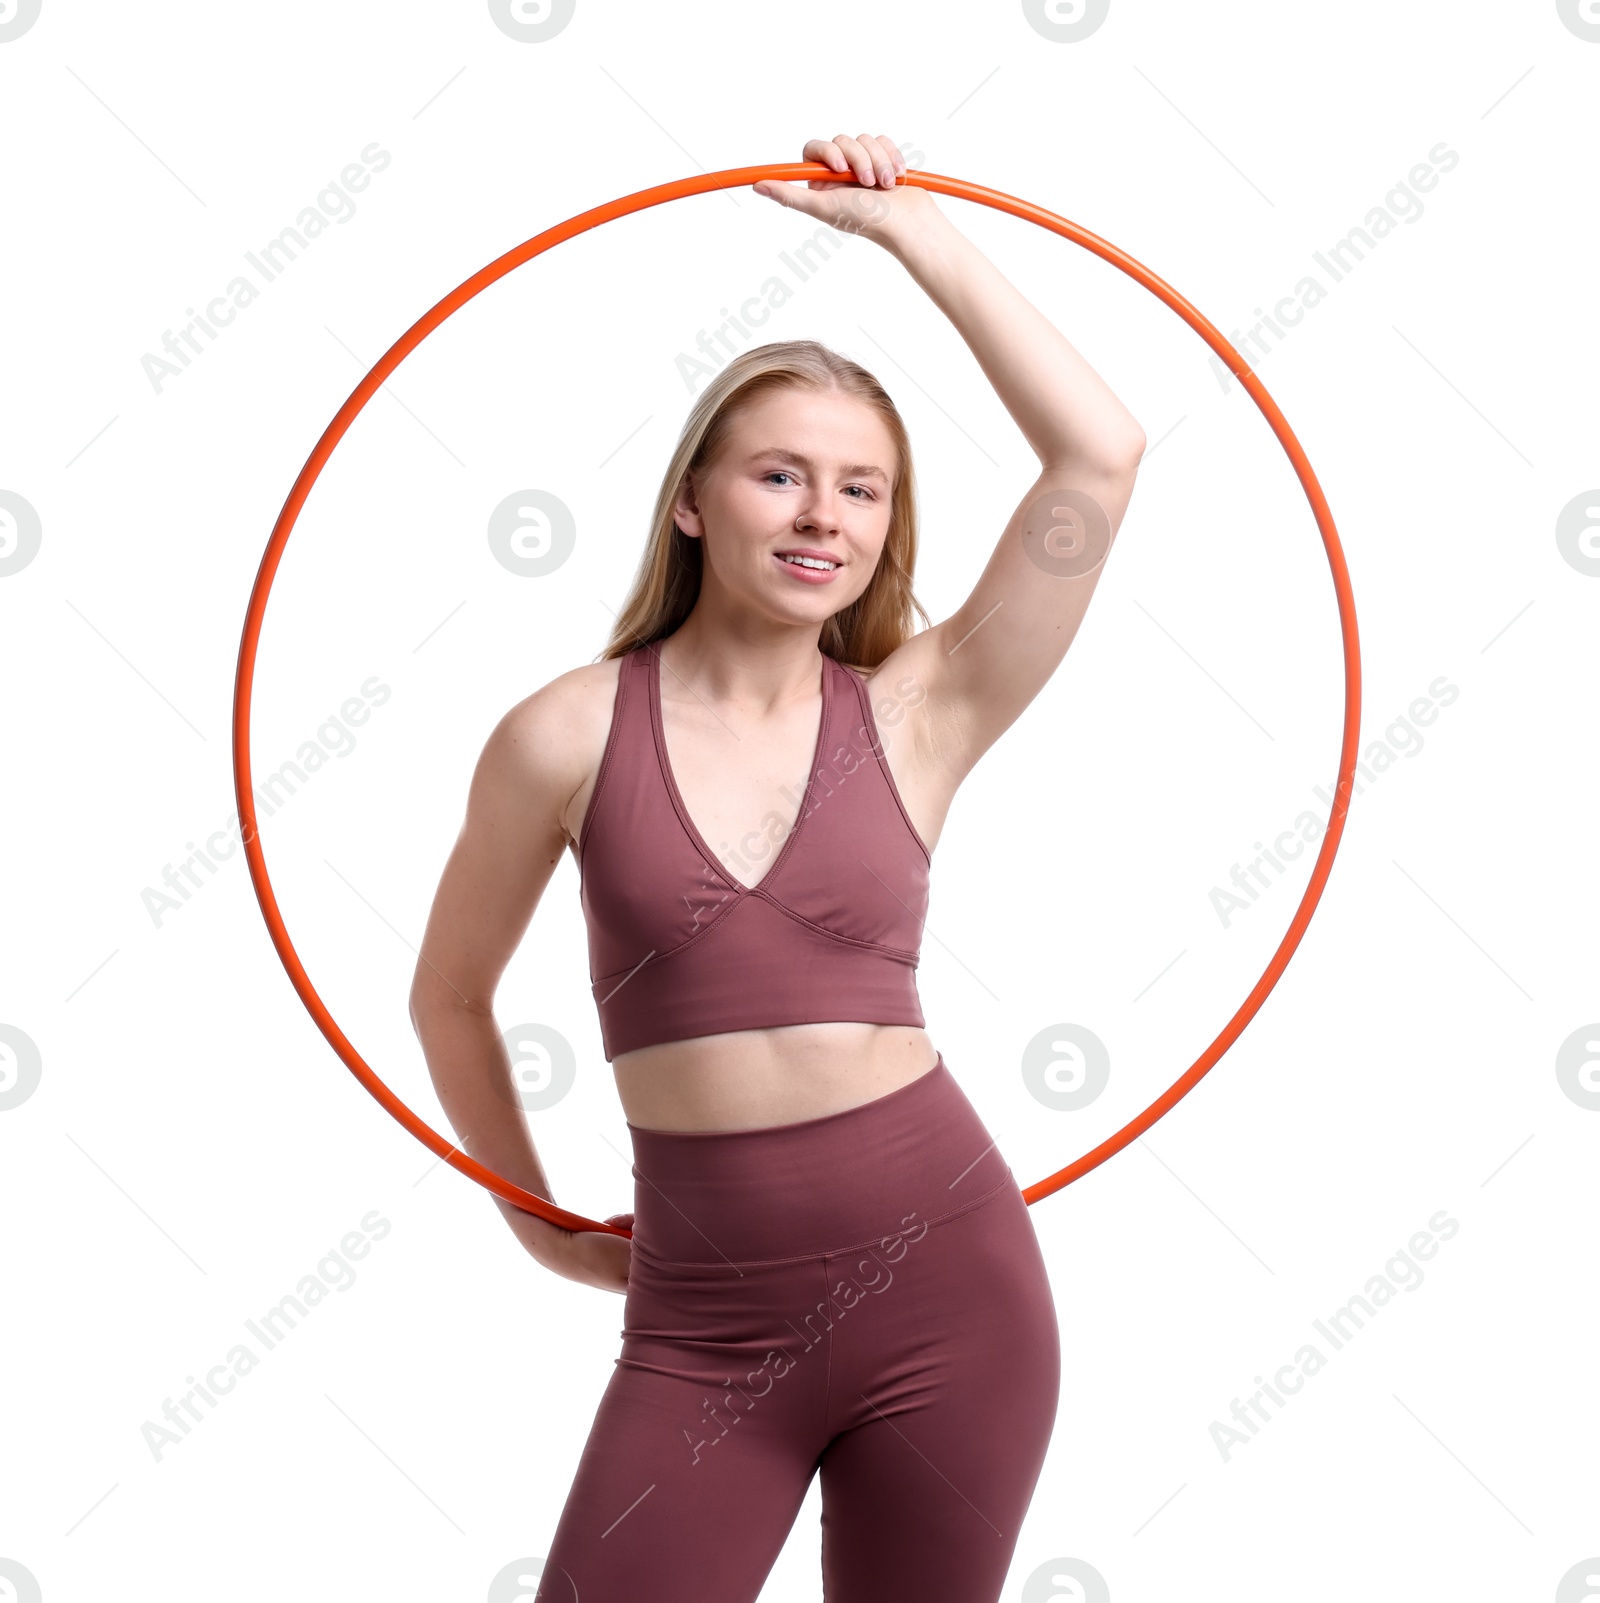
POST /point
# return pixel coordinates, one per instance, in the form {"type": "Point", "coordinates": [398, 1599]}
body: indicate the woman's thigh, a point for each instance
{"type": "Point", "coordinates": [705, 1439]}
{"type": "Point", "coordinates": [943, 1398]}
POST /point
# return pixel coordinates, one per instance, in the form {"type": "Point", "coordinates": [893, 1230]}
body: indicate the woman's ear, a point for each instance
{"type": "Point", "coordinates": [686, 513]}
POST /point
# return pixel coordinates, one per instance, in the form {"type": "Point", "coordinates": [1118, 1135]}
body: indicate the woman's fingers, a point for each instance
{"type": "Point", "coordinates": [828, 153]}
{"type": "Point", "coordinates": [822, 150]}
{"type": "Point", "coordinates": [883, 153]}
{"type": "Point", "coordinates": [868, 161]}
{"type": "Point", "coordinates": [875, 161]}
{"type": "Point", "coordinates": [860, 157]}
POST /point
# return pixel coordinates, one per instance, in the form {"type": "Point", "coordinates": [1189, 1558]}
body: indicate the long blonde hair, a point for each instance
{"type": "Point", "coordinates": [667, 583]}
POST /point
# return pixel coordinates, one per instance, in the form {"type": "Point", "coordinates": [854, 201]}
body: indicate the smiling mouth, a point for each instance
{"type": "Point", "coordinates": [816, 564]}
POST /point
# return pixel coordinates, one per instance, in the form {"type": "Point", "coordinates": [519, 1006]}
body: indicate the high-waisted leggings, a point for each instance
{"type": "Point", "coordinates": [860, 1295]}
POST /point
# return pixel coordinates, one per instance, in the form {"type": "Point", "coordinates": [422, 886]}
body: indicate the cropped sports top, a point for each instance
{"type": "Point", "coordinates": [679, 948]}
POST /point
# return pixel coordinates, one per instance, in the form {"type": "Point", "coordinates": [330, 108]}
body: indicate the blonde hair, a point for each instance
{"type": "Point", "coordinates": [667, 582]}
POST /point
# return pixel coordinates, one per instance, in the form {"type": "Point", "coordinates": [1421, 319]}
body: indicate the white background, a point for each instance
{"type": "Point", "coordinates": [194, 1148]}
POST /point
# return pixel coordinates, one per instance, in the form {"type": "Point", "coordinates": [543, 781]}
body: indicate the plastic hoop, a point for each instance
{"type": "Point", "coordinates": [679, 189]}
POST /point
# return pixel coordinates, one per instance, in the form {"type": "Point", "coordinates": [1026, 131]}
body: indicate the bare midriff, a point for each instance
{"type": "Point", "coordinates": [751, 1079]}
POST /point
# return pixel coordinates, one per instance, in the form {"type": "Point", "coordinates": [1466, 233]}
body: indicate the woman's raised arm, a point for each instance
{"type": "Point", "coordinates": [983, 665]}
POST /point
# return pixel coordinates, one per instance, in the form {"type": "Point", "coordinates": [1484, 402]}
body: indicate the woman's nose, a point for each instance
{"type": "Point", "coordinates": [819, 513]}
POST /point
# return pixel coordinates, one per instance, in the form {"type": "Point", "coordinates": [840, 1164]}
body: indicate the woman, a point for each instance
{"type": "Point", "coordinates": [831, 1268]}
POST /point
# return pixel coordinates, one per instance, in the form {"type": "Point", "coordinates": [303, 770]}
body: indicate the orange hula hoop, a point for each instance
{"type": "Point", "coordinates": [679, 189]}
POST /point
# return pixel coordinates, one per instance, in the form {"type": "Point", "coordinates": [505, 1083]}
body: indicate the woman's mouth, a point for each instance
{"type": "Point", "coordinates": [810, 567]}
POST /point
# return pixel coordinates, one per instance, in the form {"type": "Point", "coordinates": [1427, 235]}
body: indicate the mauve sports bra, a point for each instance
{"type": "Point", "coordinates": [679, 948]}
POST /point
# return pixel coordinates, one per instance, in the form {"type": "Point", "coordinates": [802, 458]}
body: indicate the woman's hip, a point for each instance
{"type": "Point", "coordinates": [875, 1260]}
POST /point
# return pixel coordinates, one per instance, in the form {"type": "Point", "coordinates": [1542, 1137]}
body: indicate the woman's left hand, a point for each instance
{"type": "Point", "coordinates": [871, 201]}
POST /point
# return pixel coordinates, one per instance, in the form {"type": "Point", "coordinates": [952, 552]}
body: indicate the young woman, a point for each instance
{"type": "Point", "coordinates": [832, 1269]}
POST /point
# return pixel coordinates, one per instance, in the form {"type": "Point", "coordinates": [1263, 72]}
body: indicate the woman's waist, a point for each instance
{"type": "Point", "coordinates": [905, 1157]}
{"type": "Point", "coordinates": [750, 1079]}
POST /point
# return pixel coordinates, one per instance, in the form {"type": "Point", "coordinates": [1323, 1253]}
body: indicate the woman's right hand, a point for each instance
{"type": "Point", "coordinates": [591, 1257]}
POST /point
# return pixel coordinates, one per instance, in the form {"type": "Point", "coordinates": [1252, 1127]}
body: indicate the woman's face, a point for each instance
{"type": "Point", "coordinates": [802, 475]}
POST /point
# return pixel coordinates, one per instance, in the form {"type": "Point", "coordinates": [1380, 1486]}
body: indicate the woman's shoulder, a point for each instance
{"type": "Point", "coordinates": [570, 710]}
{"type": "Point", "coordinates": [555, 738]}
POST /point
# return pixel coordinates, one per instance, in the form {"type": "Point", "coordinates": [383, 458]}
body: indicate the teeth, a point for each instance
{"type": "Point", "coordinates": [812, 562]}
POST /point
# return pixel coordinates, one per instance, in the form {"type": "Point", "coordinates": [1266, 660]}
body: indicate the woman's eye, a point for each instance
{"type": "Point", "coordinates": [780, 473]}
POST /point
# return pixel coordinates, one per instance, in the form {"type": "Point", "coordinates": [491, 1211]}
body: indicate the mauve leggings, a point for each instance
{"type": "Point", "coordinates": [860, 1294]}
